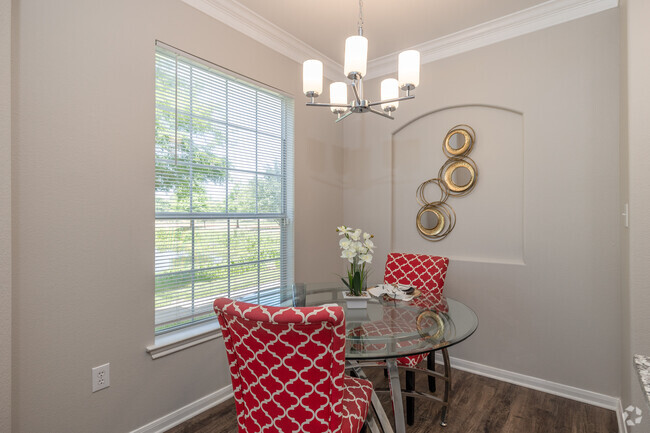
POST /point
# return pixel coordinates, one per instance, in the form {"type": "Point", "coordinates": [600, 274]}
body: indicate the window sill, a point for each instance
{"type": "Point", "coordinates": [182, 339]}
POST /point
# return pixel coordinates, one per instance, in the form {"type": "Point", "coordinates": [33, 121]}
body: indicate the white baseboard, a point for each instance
{"type": "Point", "coordinates": [622, 428]}
{"type": "Point", "coordinates": [186, 412]}
{"type": "Point", "coordinates": [573, 393]}
{"type": "Point", "coordinates": [593, 398]}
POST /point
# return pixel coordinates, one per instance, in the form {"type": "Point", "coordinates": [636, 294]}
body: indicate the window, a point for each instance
{"type": "Point", "coordinates": [224, 193]}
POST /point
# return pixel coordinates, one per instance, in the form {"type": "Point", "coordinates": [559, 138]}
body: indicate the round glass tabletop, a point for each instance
{"type": "Point", "coordinates": [389, 328]}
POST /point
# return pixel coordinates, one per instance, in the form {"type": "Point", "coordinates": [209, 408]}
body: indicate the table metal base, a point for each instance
{"type": "Point", "coordinates": [396, 391]}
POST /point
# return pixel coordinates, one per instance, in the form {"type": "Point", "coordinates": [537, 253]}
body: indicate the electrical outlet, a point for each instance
{"type": "Point", "coordinates": [101, 377]}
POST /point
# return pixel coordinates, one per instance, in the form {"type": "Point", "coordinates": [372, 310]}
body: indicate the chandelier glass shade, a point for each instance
{"type": "Point", "coordinates": [356, 56]}
{"type": "Point", "coordinates": [355, 68]}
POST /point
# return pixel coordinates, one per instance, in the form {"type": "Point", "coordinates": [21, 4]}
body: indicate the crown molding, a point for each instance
{"type": "Point", "coordinates": [541, 16]}
{"type": "Point", "coordinates": [244, 20]}
{"type": "Point", "coordinates": [544, 15]}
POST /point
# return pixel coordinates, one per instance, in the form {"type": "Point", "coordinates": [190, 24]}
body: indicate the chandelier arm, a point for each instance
{"type": "Point", "coordinates": [343, 116]}
{"type": "Point", "coordinates": [372, 110]}
{"type": "Point", "coordinates": [356, 90]}
{"type": "Point", "coordinates": [386, 101]}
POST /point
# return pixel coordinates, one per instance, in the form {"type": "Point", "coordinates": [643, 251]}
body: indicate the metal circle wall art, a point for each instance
{"type": "Point", "coordinates": [445, 220]}
{"type": "Point", "coordinates": [420, 193]}
{"type": "Point", "coordinates": [440, 221]}
{"type": "Point", "coordinates": [457, 187]}
{"type": "Point", "coordinates": [457, 177]}
{"type": "Point", "coordinates": [464, 132]}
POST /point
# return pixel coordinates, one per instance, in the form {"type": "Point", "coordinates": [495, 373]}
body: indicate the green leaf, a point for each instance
{"type": "Point", "coordinates": [356, 285]}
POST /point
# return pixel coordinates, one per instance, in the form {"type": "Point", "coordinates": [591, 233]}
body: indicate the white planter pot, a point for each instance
{"type": "Point", "coordinates": [356, 302]}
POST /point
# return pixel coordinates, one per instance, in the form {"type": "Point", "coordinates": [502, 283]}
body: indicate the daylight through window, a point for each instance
{"type": "Point", "coordinates": [223, 195]}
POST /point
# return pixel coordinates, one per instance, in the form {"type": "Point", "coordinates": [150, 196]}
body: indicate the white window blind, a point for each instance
{"type": "Point", "coordinates": [224, 192]}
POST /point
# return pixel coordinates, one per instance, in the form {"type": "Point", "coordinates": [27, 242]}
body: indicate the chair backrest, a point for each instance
{"type": "Point", "coordinates": [286, 364]}
{"type": "Point", "coordinates": [426, 273]}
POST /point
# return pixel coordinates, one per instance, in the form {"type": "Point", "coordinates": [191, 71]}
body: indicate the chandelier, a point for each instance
{"type": "Point", "coordinates": [356, 59]}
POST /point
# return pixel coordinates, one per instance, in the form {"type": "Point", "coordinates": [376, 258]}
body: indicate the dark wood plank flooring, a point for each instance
{"type": "Point", "coordinates": [478, 405]}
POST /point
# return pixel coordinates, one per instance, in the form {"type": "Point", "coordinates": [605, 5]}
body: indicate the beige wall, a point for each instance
{"type": "Point", "coordinates": [636, 112]}
{"type": "Point", "coordinates": [557, 317]}
{"type": "Point", "coordinates": [83, 182]}
{"type": "Point", "coordinates": [626, 365]}
{"type": "Point", "coordinates": [80, 172]}
{"type": "Point", "coordinates": [5, 215]}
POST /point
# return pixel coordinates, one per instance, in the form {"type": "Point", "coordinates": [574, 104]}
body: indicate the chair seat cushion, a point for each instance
{"type": "Point", "coordinates": [413, 360]}
{"type": "Point", "coordinates": [356, 401]}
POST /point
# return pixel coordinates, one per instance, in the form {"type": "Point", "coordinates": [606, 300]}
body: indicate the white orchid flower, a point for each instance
{"type": "Point", "coordinates": [367, 258]}
{"type": "Point", "coordinates": [355, 235]}
{"type": "Point", "coordinates": [356, 246]}
{"type": "Point", "coordinates": [348, 254]}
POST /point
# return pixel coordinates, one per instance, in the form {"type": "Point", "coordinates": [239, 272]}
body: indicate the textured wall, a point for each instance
{"type": "Point", "coordinates": [550, 317]}
{"type": "Point", "coordinates": [84, 208]}
{"type": "Point", "coordinates": [5, 216]}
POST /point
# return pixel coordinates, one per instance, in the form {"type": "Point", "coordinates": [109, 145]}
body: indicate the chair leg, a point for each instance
{"type": "Point", "coordinates": [431, 365]}
{"type": "Point", "coordinates": [410, 401]}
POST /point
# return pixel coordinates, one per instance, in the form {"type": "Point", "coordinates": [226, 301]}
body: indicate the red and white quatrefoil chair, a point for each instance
{"type": "Point", "coordinates": [287, 369]}
{"type": "Point", "coordinates": [426, 273]}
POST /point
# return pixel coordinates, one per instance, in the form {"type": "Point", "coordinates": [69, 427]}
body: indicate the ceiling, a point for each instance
{"type": "Point", "coordinates": [390, 25]}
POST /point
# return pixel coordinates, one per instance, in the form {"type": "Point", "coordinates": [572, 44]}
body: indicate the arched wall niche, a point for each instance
{"type": "Point", "coordinates": [490, 220]}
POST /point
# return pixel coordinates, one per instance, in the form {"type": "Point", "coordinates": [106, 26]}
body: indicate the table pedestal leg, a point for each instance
{"type": "Point", "coordinates": [396, 395]}
{"type": "Point", "coordinates": [445, 408]}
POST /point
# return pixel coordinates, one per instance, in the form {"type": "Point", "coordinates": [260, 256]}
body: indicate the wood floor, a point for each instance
{"type": "Point", "coordinates": [478, 404]}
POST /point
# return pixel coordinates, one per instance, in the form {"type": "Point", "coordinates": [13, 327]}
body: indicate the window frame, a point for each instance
{"type": "Point", "coordinates": [208, 326]}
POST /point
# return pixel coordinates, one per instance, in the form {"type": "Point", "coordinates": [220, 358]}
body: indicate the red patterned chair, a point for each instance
{"type": "Point", "coordinates": [287, 369]}
{"type": "Point", "coordinates": [426, 273]}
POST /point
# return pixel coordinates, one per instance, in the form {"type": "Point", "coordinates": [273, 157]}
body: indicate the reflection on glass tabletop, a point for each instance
{"type": "Point", "coordinates": [389, 328]}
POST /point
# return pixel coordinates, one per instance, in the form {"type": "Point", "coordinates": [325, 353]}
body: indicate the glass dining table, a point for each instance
{"type": "Point", "coordinates": [388, 329]}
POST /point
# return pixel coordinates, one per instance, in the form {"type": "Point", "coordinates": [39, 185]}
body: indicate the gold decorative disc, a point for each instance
{"type": "Point", "coordinates": [432, 231]}
{"type": "Point", "coordinates": [464, 148]}
{"type": "Point", "coordinates": [450, 170]}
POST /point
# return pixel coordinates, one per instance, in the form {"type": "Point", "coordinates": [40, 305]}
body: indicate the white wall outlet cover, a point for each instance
{"type": "Point", "coordinates": [101, 377]}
